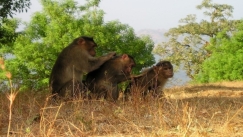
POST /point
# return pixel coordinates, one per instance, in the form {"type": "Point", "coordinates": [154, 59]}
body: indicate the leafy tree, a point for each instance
{"type": "Point", "coordinates": [8, 33]}
{"type": "Point", "coordinates": [53, 28]}
{"type": "Point", "coordinates": [8, 26]}
{"type": "Point", "coordinates": [8, 7]}
{"type": "Point", "coordinates": [225, 62]}
{"type": "Point", "coordinates": [187, 42]}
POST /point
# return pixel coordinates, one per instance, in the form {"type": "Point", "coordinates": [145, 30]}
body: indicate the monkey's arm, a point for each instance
{"type": "Point", "coordinates": [95, 62]}
{"type": "Point", "coordinates": [122, 78]}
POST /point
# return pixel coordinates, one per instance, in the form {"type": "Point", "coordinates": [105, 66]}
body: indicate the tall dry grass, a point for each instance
{"type": "Point", "coordinates": [10, 95]}
{"type": "Point", "coordinates": [199, 110]}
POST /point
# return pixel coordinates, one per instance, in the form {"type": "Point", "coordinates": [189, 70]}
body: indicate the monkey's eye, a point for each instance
{"type": "Point", "coordinates": [166, 68]}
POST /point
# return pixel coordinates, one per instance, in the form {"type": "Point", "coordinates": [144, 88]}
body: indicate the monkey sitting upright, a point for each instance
{"type": "Point", "coordinates": [103, 81]}
{"type": "Point", "coordinates": [75, 60]}
{"type": "Point", "coordinates": [152, 79]}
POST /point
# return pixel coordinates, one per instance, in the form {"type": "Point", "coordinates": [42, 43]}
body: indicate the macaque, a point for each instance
{"type": "Point", "coordinates": [75, 60]}
{"type": "Point", "coordinates": [103, 81]}
{"type": "Point", "coordinates": [152, 79]}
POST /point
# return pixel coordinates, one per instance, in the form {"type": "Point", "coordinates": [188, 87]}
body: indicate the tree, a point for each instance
{"type": "Point", "coordinates": [225, 62]}
{"type": "Point", "coordinates": [8, 33]}
{"type": "Point", "coordinates": [187, 43]}
{"type": "Point", "coordinates": [8, 7]}
{"type": "Point", "coordinates": [53, 28]}
{"type": "Point", "coordinates": [8, 26]}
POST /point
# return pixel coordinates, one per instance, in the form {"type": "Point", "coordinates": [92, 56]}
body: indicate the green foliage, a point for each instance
{"type": "Point", "coordinates": [50, 30]}
{"type": "Point", "coordinates": [8, 7]}
{"type": "Point", "coordinates": [8, 33]}
{"type": "Point", "coordinates": [187, 42]}
{"type": "Point", "coordinates": [225, 62]}
{"type": "Point", "coordinates": [8, 26]}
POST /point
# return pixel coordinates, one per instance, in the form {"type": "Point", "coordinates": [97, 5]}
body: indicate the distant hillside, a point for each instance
{"type": "Point", "coordinates": [156, 35]}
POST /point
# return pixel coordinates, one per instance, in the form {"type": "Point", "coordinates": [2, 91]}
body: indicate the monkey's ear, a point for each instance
{"type": "Point", "coordinates": [155, 68]}
{"type": "Point", "coordinates": [124, 56]}
{"type": "Point", "coordinates": [81, 41]}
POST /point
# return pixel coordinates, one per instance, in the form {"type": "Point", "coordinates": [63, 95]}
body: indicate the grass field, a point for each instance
{"type": "Point", "coordinates": [195, 110]}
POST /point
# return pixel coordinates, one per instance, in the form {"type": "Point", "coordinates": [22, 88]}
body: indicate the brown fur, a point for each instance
{"type": "Point", "coordinates": [75, 60]}
{"type": "Point", "coordinates": [103, 81]}
{"type": "Point", "coordinates": [152, 79]}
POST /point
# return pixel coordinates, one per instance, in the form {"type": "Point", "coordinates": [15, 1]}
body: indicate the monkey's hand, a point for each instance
{"type": "Point", "coordinates": [111, 54]}
{"type": "Point", "coordinates": [137, 76]}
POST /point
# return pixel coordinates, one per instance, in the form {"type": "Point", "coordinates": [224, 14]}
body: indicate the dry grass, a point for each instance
{"type": "Point", "coordinates": [196, 110]}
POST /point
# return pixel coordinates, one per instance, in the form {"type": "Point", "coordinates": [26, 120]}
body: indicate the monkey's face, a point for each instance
{"type": "Point", "coordinates": [91, 49]}
{"type": "Point", "coordinates": [128, 68]}
{"type": "Point", "coordinates": [164, 70]}
{"type": "Point", "coordinates": [87, 46]}
{"type": "Point", "coordinates": [167, 70]}
{"type": "Point", "coordinates": [128, 64]}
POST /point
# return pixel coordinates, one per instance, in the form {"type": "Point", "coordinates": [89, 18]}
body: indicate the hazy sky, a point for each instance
{"type": "Point", "coordinates": [150, 14]}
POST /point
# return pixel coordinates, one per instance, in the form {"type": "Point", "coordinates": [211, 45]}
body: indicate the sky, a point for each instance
{"type": "Point", "coordinates": [149, 14]}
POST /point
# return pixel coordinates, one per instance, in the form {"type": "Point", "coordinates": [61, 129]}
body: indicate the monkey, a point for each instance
{"type": "Point", "coordinates": [75, 60]}
{"type": "Point", "coordinates": [152, 79]}
{"type": "Point", "coordinates": [103, 82]}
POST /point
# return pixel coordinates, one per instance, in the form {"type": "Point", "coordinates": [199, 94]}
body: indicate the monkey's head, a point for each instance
{"type": "Point", "coordinates": [164, 69]}
{"type": "Point", "coordinates": [88, 44]}
{"type": "Point", "coordinates": [128, 63]}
